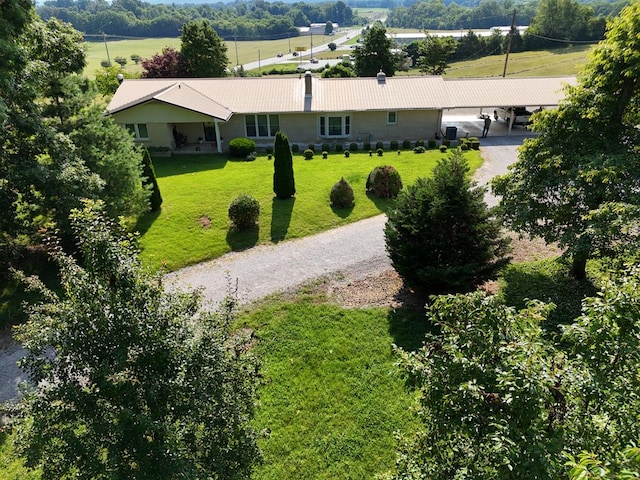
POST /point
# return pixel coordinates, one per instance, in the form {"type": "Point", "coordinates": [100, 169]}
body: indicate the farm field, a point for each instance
{"type": "Point", "coordinates": [147, 47]}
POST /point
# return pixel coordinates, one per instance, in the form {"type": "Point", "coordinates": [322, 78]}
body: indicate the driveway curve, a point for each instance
{"type": "Point", "coordinates": [355, 251]}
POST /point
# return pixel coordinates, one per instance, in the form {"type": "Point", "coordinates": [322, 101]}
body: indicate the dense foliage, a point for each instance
{"type": "Point", "coordinates": [132, 381]}
{"type": "Point", "coordinates": [240, 147]}
{"type": "Point", "coordinates": [202, 50]}
{"type": "Point", "coordinates": [149, 173]}
{"type": "Point", "coordinates": [341, 194]}
{"type": "Point", "coordinates": [284, 185]}
{"type": "Point", "coordinates": [384, 182]}
{"type": "Point", "coordinates": [440, 236]}
{"type": "Point", "coordinates": [246, 20]}
{"type": "Point", "coordinates": [578, 181]}
{"type": "Point", "coordinates": [374, 54]}
{"type": "Point", "coordinates": [56, 146]}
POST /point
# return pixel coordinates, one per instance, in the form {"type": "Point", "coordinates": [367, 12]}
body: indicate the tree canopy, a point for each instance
{"type": "Point", "coordinates": [578, 181]}
{"type": "Point", "coordinates": [374, 54]}
{"type": "Point", "coordinates": [203, 51]}
{"type": "Point", "coordinates": [131, 381]}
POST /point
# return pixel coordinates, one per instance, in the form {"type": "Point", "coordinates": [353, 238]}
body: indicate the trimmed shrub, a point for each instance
{"type": "Point", "coordinates": [244, 211]}
{"type": "Point", "coordinates": [311, 147]}
{"type": "Point", "coordinates": [251, 157]}
{"type": "Point", "coordinates": [295, 148]}
{"type": "Point", "coordinates": [308, 154]}
{"type": "Point", "coordinates": [269, 149]}
{"type": "Point", "coordinates": [419, 150]}
{"type": "Point", "coordinates": [399, 152]}
{"type": "Point", "coordinates": [419, 143]}
{"type": "Point", "coordinates": [325, 154]}
{"type": "Point", "coordinates": [270, 156]}
{"type": "Point", "coordinates": [326, 147]}
{"type": "Point", "coordinates": [379, 146]}
{"type": "Point", "coordinates": [443, 148]}
{"type": "Point", "coordinates": [384, 182]}
{"type": "Point", "coordinates": [371, 153]}
{"type": "Point", "coordinates": [149, 174]}
{"type": "Point", "coordinates": [406, 144]}
{"type": "Point", "coordinates": [464, 146]}
{"type": "Point", "coordinates": [339, 147]}
{"type": "Point", "coordinates": [353, 147]}
{"type": "Point", "coordinates": [380, 152]}
{"type": "Point", "coordinates": [347, 153]}
{"type": "Point", "coordinates": [446, 142]}
{"type": "Point", "coordinates": [393, 145]}
{"type": "Point", "coordinates": [240, 147]}
{"type": "Point", "coordinates": [366, 146]}
{"type": "Point", "coordinates": [432, 143]}
{"type": "Point", "coordinates": [474, 143]}
{"type": "Point", "coordinates": [341, 194]}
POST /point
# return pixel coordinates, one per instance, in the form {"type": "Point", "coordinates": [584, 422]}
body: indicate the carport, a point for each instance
{"type": "Point", "coordinates": [473, 97]}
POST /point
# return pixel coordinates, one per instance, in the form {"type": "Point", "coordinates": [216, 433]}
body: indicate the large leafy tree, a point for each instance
{"type": "Point", "coordinates": [434, 53]}
{"type": "Point", "coordinates": [131, 381]}
{"type": "Point", "coordinates": [490, 405]}
{"type": "Point", "coordinates": [203, 51]}
{"type": "Point", "coordinates": [440, 235]}
{"type": "Point", "coordinates": [374, 54]}
{"type": "Point", "coordinates": [578, 181]}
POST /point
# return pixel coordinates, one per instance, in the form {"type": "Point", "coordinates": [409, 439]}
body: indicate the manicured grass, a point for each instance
{"type": "Point", "coordinates": [198, 189]}
{"type": "Point", "coordinates": [331, 397]}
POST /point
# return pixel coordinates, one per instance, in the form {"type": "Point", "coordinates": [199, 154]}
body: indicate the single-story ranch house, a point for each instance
{"type": "Point", "coordinates": [205, 113]}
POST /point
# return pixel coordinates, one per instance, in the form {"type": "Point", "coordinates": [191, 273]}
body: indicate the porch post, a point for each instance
{"type": "Point", "coordinates": [218, 137]}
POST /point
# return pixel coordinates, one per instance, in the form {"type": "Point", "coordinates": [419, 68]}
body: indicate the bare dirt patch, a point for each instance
{"type": "Point", "coordinates": [386, 288]}
{"type": "Point", "coordinates": [205, 221]}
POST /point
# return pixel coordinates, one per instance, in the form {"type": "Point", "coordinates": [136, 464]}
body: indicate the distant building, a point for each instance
{"type": "Point", "coordinates": [316, 29]}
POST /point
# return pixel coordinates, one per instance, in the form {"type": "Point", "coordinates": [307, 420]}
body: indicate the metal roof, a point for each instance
{"type": "Point", "coordinates": [222, 97]}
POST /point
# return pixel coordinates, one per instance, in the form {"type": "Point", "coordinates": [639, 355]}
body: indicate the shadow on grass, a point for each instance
{"type": "Point", "coordinates": [549, 281]}
{"type": "Point", "coordinates": [342, 212]}
{"type": "Point", "coordinates": [382, 204]}
{"type": "Point", "coordinates": [182, 164]}
{"type": "Point", "coordinates": [242, 239]}
{"type": "Point", "coordinates": [408, 326]}
{"type": "Point", "coordinates": [281, 217]}
{"type": "Point", "coordinates": [145, 221]}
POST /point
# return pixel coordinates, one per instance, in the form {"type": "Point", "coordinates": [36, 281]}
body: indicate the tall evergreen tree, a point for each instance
{"type": "Point", "coordinates": [149, 173]}
{"type": "Point", "coordinates": [284, 185]}
{"type": "Point", "coordinates": [203, 51]}
{"type": "Point", "coordinates": [441, 237]}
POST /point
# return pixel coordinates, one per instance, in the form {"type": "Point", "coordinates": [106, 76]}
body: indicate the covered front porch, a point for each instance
{"type": "Point", "coordinates": [196, 137]}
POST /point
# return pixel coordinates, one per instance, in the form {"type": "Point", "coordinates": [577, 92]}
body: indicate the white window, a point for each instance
{"type": "Point", "coordinates": [261, 125]}
{"type": "Point", "coordinates": [138, 130]}
{"type": "Point", "coordinates": [392, 118]}
{"type": "Point", "coordinates": [335, 126]}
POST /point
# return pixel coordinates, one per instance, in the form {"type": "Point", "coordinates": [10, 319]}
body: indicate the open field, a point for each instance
{"type": "Point", "coordinates": [246, 51]}
{"type": "Point", "coordinates": [193, 225]}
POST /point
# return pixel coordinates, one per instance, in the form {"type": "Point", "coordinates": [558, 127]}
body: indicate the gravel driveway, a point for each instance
{"type": "Point", "coordinates": [356, 250]}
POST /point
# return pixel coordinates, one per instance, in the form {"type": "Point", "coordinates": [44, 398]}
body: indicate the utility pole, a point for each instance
{"type": "Point", "coordinates": [104, 36]}
{"type": "Point", "coordinates": [289, 42]}
{"type": "Point", "coordinates": [259, 61]}
{"type": "Point", "coordinates": [235, 38]}
{"type": "Point", "coordinates": [311, 55]}
{"type": "Point", "coordinates": [513, 25]}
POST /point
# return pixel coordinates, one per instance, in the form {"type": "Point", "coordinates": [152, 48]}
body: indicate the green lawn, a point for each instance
{"type": "Point", "coordinates": [193, 225]}
{"type": "Point", "coordinates": [331, 396]}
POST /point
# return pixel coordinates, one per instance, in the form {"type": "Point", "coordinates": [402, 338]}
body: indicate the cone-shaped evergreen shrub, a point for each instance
{"type": "Point", "coordinates": [149, 174]}
{"type": "Point", "coordinates": [384, 182]}
{"type": "Point", "coordinates": [341, 194]}
{"type": "Point", "coordinates": [440, 236]}
{"type": "Point", "coordinates": [283, 182]}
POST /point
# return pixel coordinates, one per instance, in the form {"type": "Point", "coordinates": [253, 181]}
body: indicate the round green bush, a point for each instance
{"type": "Point", "coordinates": [379, 146]}
{"type": "Point", "coordinates": [393, 145]}
{"type": "Point", "coordinates": [326, 147]}
{"type": "Point", "coordinates": [240, 147]}
{"type": "Point", "coordinates": [443, 148]}
{"type": "Point", "coordinates": [380, 152]}
{"type": "Point", "coordinates": [244, 211]}
{"type": "Point", "coordinates": [347, 153]}
{"type": "Point", "coordinates": [366, 146]}
{"type": "Point", "coordinates": [353, 147]}
{"type": "Point", "coordinates": [325, 154]}
{"type": "Point", "coordinates": [384, 182]}
{"type": "Point", "coordinates": [308, 154]}
{"type": "Point", "coordinates": [432, 143]}
{"type": "Point", "coordinates": [419, 150]}
{"type": "Point", "coordinates": [311, 147]}
{"type": "Point", "coordinates": [406, 144]}
{"type": "Point", "coordinates": [419, 143]}
{"type": "Point", "coordinates": [464, 146]}
{"type": "Point", "coordinates": [295, 148]}
{"type": "Point", "coordinates": [341, 194]}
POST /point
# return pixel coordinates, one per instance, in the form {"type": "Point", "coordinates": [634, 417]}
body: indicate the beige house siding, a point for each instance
{"type": "Point", "coordinates": [410, 125]}
{"type": "Point", "coordinates": [159, 135]}
{"type": "Point", "coordinates": [300, 128]}
{"type": "Point", "coordinates": [231, 129]}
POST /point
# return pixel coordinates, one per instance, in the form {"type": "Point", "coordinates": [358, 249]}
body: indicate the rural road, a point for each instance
{"type": "Point", "coordinates": [356, 250]}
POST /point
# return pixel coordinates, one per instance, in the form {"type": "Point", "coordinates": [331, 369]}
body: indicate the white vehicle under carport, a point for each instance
{"type": "Point", "coordinates": [513, 115]}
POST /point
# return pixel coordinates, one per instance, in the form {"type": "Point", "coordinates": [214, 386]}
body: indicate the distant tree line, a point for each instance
{"type": "Point", "coordinates": [441, 15]}
{"type": "Point", "coordinates": [243, 20]}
